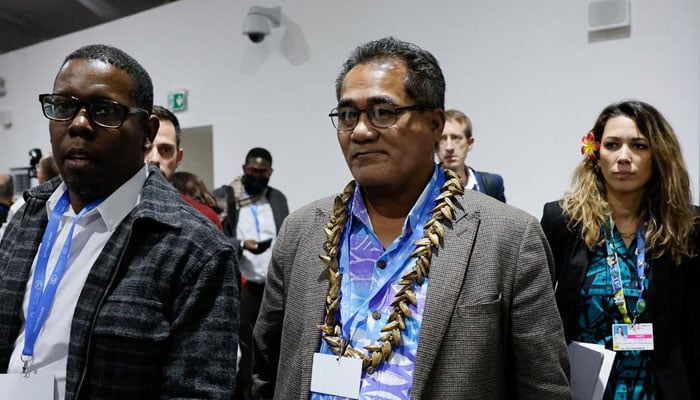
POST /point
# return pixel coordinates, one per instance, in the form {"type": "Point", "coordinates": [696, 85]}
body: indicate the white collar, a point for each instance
{"type": "Point", "coordinates": [116, 206]}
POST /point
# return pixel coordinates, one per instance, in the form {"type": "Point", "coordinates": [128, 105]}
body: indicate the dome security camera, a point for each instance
{"type": "Point", "coordinates": [258, 22]}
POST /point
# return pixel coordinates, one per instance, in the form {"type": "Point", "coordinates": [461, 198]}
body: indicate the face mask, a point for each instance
{"type": "Point", "coordinates": [254, 185]}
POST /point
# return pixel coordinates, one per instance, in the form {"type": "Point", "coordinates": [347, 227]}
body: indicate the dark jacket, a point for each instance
{"type": "Point", "coordinates": [158, 315]}
{"type": "Point", "coordinates": [490, 184]}
{"type": "Point", "coordinates": [672, 306]}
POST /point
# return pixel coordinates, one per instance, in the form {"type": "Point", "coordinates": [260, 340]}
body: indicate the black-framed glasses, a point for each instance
{"type": "Point", "coordinates": [381, 115]}
{"type": "Point", "coordinates": [102, 112]}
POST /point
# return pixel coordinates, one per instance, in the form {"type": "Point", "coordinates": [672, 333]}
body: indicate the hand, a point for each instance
{"type": "Point", "coordinates": [256, 247]}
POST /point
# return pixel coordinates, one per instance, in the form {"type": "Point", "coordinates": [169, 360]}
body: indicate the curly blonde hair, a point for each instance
{"type": "Point", "coordinates": [667, 199]}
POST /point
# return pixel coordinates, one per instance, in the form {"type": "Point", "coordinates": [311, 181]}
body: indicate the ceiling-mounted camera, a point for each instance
{"type": "Point", "coordinates": [259, 21]}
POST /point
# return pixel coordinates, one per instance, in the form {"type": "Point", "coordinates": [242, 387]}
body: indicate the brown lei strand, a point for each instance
{"type": "Point", "coordinates": [432, 238]}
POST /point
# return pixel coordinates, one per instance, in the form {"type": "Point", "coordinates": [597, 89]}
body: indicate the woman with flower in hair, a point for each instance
{"type": "Point", "coordinates": [624, 240]}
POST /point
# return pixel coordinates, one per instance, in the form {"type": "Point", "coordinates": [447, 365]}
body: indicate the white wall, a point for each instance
{"type": "Point", "coordinates": [524, 71]}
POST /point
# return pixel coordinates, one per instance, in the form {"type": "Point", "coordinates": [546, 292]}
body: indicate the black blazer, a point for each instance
{"type": "Point", "coordinates": [672, 306]}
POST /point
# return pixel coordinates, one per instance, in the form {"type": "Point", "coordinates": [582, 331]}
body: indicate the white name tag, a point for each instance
{"type": "Point", "coordinates": [339, 377]}
{"type": "Point", "coordinates": [31, 387]}
{"type": "Point", "coordinates": [633, 337]}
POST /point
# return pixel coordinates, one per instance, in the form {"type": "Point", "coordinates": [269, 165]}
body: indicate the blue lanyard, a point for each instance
{"type": "Point", "coordinates": [254, 211]}
{"type": "Point", "coordinates": [616, 275]}
{"type": "Point", "coordinates": [42, 293]}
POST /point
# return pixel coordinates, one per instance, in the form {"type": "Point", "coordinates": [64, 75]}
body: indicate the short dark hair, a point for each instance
{"type": "Point", "coordinates": [424, 82]}
{"type": "Point", "coordinates": [142, 89]}
{"type": "Point", "coordinates": [164, 114]}
{"type": "Point", "coordinates": [259, 152]}
{"type": "Point", "coordinates": [48, 166]}
{"type": "Point", "coordinates": [7, 186]}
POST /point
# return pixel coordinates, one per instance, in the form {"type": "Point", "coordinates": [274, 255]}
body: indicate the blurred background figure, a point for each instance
{"type": "Point", "coordinates": [46, 169]}
{"type": "Point", "coordinates": [7, 193]}
{"type": "Point", "coordinates": [192, 190]}
{"type": "Point", "coordinates": [252, 217]}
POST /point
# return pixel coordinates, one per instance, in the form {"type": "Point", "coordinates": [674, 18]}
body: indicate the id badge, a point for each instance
{"type": "Point", "coordinates": [28, 387]}
{"type": "Point", "coordinates": [633, 337]}
{"type": "Point", "coordinates": [336, 376]}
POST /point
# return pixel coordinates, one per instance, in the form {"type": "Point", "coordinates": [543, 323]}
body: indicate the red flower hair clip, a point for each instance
{"type": "Point", "coordinates": [590, 146]}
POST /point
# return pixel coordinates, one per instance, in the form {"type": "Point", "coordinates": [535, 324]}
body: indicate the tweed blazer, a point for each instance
{"type": "Point", "coordinates": [490, 326]}
{"type": "Point", "coordinates": [158, 314]}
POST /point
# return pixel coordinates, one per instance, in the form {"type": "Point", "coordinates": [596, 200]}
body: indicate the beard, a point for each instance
{"type": "Point", "coordinates": [85, 190]}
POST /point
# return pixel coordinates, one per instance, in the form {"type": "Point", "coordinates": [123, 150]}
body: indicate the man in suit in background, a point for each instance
{"type": "Point", "coordinates": [425, 290]}
{"type": "Point", "coordinates": [456, 141]}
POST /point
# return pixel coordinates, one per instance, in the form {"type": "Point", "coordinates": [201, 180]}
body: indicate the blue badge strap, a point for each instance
{"type": "Point", "coordinates": [641, 274]}
{"type": "Point", "coordinates": [41, 298]}
{"type": "Point", "coordinates": [616, 275]}
{"type": "Point", "coordinates": [254, 211]}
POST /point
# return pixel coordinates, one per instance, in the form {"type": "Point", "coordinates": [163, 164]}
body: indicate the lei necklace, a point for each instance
{"type": "Point", "coordinates": [432, 238]}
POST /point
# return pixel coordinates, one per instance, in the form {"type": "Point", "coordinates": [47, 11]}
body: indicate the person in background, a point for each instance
{"type": "Point", "coordinates": [192, 186]}
{"type": "Point", "coordinates": [7, 195]}
{"type": "Point", "coordinates": [426, 290]}
{"type": "Point", "coordinates": [166, 153]}
{"type": "Point", "coordinates": [46, 170]}
{"type": "Point", "coordinates": [253, 216]}
{"type": "Point", "coordinates": [625, 240]}
{"type": "Point", "coordinates": [455, 142]}
{"type": "Point", "coordinates": [134, 295]}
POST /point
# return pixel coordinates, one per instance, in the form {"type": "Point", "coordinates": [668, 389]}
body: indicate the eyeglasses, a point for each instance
{"type": "Point", "coordinates": [381, 115]}
{"type": "Point", "coordinates": [104, 113]}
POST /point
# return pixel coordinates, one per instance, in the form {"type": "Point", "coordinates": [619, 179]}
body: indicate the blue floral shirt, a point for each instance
{"type": "Point", "coordinates": [370, 282]}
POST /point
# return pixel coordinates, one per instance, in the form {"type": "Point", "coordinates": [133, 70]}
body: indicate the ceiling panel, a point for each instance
{"type": "Point", "coordinates": [27, 22]}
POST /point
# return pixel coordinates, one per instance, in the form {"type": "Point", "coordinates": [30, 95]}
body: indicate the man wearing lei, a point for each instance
{"type": "Point", "coordinates": [405, 286]}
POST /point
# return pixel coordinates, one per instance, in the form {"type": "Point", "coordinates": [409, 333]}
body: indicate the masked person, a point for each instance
{"type": "Point", "coordinates": [253, 215]}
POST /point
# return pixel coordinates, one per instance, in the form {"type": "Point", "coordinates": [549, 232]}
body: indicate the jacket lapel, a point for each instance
{"type": "Point", "coordinates": [315, 298]}
{"type": "Point", "coordinates": [445, 280]}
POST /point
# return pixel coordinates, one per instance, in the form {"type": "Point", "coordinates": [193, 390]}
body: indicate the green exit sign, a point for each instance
{"type": "Point", "coordinates": [177, 101]}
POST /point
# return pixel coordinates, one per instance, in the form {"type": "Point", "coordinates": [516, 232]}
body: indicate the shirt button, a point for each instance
{"type": "Point", "coordinates": [381, 264]}
{"type": "Point", "coordinates": [370, 370]}
{"type": "Point", "coordinates": [376, 315]}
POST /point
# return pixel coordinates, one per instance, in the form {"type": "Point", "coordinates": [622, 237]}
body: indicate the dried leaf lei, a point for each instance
{"type": "Point", "coordinates": [423, 253]}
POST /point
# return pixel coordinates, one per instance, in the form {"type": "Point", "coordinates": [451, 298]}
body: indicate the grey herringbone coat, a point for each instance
{"type": "Point", "coordinates": [158, 315]}
{"type": "Point", "coordinates": [490, 328]}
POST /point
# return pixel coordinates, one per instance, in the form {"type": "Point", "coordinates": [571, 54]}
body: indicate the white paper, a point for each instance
{"type": "Point", "coordinates": [33, 387]}
{"type": "Point", "coordinates": [339, 377]}
{"type": "Point", "coordinates": [590, 369]}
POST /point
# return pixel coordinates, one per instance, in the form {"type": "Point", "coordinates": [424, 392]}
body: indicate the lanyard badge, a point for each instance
{"type": "Point", "coordinates": [43, 292]}
{"type": "Point", "coordinates": [616, 275]}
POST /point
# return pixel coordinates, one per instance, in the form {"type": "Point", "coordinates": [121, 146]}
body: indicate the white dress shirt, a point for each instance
{"type": "Point", "coordinates": [90, 236]}
{"type": "Point", "coordinates": [256, 221]}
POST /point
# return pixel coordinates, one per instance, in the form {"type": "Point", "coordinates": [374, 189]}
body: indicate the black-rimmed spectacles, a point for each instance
{"type": "Point", "coordinates": [381, 115]}
{"type": "Point", "coordinates": [103, 112]}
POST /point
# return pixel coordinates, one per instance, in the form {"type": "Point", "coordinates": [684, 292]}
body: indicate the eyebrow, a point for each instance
{"type": "Point", "coordinates": [634, 139]}
{"type": "Point", "coordinates": [372, 101]}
